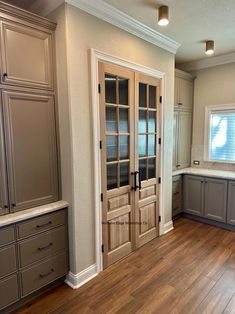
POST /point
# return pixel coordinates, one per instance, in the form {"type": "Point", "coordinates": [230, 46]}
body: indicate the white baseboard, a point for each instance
{"type": "Point", "coordinates": [168, 227]}
{"type": "Point", "coordinates": [77, 280]}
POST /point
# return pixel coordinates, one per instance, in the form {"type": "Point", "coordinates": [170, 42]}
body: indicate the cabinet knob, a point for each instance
{"type": "Point", "coordinates": [13, 205]}
{"type": "Point", "coordinates": [4, 75]}
{"type": "Point", "coordinates": [6, 206]}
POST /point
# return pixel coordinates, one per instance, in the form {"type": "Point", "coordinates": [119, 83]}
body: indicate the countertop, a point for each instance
{"type": "Point", "coordinates": [206, 172]}
{"type": "Point", "coordinates": [31, 213]}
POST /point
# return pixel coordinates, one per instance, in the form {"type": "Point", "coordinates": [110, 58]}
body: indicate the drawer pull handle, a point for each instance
{"type": "Point", "coordinates": [175, 208]}
{"type": "Point", "coordinates": [44, 225]}
{"type": "Point", "coordinates": [176, 193]}
{"type": "Point", "coordinates": [45, 247]}
{"type": "Point", "coordinates": [47, 274]}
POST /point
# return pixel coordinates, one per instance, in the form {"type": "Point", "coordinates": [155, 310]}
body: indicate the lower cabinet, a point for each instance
{"type": "Point", "coordinates": [231, 203]}
{"type": "Point", "coordinates": [176, 195]}
{"type": "Point", "coordinates": [33, 254]}
{"type": "Point", "coordinates": [206, 197]}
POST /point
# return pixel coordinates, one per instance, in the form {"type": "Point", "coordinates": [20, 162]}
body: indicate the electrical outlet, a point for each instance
{"type": "Point", "coordinates": [196, 162]}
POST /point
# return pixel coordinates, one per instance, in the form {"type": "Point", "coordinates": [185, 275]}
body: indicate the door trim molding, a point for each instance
{"type": "Point", "coordinates": [98, 56]}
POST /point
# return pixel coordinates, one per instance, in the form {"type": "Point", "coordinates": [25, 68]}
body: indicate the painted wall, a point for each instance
{"type": "Point", "coordinates": [83, 32]}
{"type": "Point", "coordinates": [212, 86]}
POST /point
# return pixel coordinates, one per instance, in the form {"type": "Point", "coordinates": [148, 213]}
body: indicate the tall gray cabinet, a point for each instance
{"type": "Point", "coordinates": [28, 143]}
{"type": "Point", "coordinates": [183, 106]}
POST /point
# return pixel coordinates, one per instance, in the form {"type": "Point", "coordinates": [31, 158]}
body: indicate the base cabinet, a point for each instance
{"type": "Point", "coordinates": [231, 203]}
{"type": "Point", "coordinates": [176, 195]}
{"type": "Point", "coordinates": [32, 258]}
{"type": "Point", "coordinates": [193, 195]}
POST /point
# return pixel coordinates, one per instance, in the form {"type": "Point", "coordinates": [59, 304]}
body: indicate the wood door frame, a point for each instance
{"type": "Point", "coordinates": [96, 57]}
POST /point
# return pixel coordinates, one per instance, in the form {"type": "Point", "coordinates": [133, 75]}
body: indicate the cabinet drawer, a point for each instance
{"type": "Point", "coordinates": [176, 207]}
{"type": "Point", "coordinates": [8, 291]}
{"type": "Point", "coordinates": [7, 260]}
{"type": "Point", "coordinates": [42, 274]}
{"type": "Point", "coordinates": [42, 246]}
{"type": "Point", "coordinates": [7, 235]}
{"type": "Point", "coordinates": [176, 186]}
{"type": "Point", "coordinates": [41, 223]}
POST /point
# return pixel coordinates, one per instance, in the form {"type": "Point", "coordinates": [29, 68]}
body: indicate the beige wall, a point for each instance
{"type": "Point", "coordinates": [213, 86]}
{"type": "Point", "coordinates": [84, 32]}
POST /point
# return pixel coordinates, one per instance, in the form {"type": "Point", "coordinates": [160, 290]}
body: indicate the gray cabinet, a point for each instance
{"type": "Point", "coordinates": [215, 199]}
{"type": "Point", "coordinates": [231, 203]}
{"type": "Point", "coordinates": [31, 149]}
{"type": "Point", "coordinates": [193, 195]}
{"type": "Point", "coordinates": [176, 195]}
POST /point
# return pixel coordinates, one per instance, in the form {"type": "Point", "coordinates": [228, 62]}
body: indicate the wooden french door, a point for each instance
{"type": "Point", "coordinates": [129, 131]}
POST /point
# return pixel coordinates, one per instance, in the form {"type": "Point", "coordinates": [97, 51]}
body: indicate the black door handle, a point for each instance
{"type": "Point", "coordinates": [140, 187]}
{"type": "Point", "coordinates": [135, 187]}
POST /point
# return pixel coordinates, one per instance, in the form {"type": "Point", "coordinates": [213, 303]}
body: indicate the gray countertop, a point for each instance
{"type": "Point", "coordinates": [206, 172]}
{"type": "Point", "coordinates": [31, 213]}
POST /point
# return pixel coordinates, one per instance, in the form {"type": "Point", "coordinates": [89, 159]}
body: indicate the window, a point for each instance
{"type": "Point", "coordinates": [220, 134]}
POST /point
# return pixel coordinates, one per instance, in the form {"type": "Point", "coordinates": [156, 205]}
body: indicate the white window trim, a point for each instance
{"type": "Point", "coordinates": [208, 111]}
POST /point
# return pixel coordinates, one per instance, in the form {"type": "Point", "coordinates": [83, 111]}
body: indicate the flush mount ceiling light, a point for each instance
{"type": "Point", "coordinates": [163, 15]}
{"type": "Point", "coordinates": [210, 47]}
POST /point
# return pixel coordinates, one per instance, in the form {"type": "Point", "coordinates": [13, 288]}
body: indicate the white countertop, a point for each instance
{"type": "Point", "coordinates": [31, 213]}
{"type": "Point", "coordinates": [206, 172]}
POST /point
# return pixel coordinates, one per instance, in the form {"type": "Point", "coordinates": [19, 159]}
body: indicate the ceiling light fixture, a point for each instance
{"type": "Point", "coordinates": [210, 47]}
{"type": "Point", "coordinates": [163, 15]}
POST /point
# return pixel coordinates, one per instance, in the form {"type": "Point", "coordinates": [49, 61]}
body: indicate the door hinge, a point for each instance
{"type": "Point", "coordinates": [159, 141]}
{"type": "Point", "coordinates": [101, 197]}
{"type": "Point", "coordinates": [100, 144]}
{"type": "Point", "coordinates": [102, 248]}
{"type": "Point", "coordinates": [159, 180]}
{"type": "Point", "coordinates": [160, 99]}
{"type": "Point", "coordinates": [159, 218]}
{"type": "Point", "coordinates": [99, 88]}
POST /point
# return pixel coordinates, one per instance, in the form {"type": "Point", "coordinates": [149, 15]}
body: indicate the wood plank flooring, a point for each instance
{"type": "Point", "coordinates": [189, 270]}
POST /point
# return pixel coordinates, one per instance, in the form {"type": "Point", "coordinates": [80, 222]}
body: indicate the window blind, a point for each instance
{"type": "Point", "coordinates": [222, 135]}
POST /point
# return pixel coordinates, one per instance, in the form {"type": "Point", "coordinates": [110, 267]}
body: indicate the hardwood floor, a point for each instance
{"type": "Point", "coordinates": [189, 270]}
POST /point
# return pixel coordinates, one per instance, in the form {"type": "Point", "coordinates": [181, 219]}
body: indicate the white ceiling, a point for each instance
{"type": "Point", "coordinates": [192, 22]}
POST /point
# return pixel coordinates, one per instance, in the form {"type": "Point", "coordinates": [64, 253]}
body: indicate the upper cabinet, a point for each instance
{"type": "Point", "coordinates": [26, 56]}
{"type": "Point", "coordinates": [183, 90]}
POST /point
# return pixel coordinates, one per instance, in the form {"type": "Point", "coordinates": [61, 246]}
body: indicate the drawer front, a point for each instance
{"type": "Point", "coordinates": [7, 235]}
{"type": "Point", "coordinates": [41, 223]}
{"type": "Point", "coordinates": [42, 274]}
{"type": "Point", "coordinates": [176, 207]}
{"type": "Point", "coordinates": [7, 260]}
{"type": "Point", "coordinates": [8, 291]}
{"type": "Point", "coordinates": [42, 246]}
{"type": "Point", "coordinates": [176, 187]}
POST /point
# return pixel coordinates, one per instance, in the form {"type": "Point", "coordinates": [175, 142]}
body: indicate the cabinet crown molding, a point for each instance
{"type": "Point", "coordinates": [183, 75]}
{"type": "Point", "coordinates": [8, 9]}
{"type": "Point", "coordinates": [108, 13]}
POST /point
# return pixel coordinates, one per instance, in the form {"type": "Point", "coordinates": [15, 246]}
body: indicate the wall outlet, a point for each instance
{"type": "Point", "coordinates": [196, 162]}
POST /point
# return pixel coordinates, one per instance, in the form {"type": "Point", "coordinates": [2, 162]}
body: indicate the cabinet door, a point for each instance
{"type": "Point", "coordinates": [186, 94]}
{"type": "Point", "coordinates": [231, 203]}
{"type": "Point", "coordinates": [193, 195]}
{"type": "Point", "coordinates": [215, 199]}
{"type": "Point", "coordinates": [177, 87]}
{"type": "Point", "coordinates": [31, 149]}
{"type": "Point", "coordinates": [3, 176]}
{"type": "Point", "coordinates": [26, 56]}
{"type": "Point", "coordinates": [175, 141]}
{"type": "Point", "coordinates": [184, 139]}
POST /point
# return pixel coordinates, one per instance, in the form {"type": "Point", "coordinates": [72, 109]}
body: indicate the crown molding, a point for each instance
{"type": "Point", "coordinates": [208, 62]}
{"type": "Point", "coordinates": [108, 13]}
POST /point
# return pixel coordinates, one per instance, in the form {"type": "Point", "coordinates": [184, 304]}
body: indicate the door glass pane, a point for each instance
{"type": "Point", "coordinates": [152, 122]}
{"type": "Point", "coordinates": [112, 176]}
{"type": "Point", "coordinates": [110, 89]}
{"type": "Point", "coordinates": [143, 169]}
{"type": "Point", "coordinates": [111, 119]}
{"type": "Point", "coordinates": [151, 168]}
{"type": "Point", "coordinates": [142, 95]}
{"type": "Point", "coordinates": [123, 120]}
{"type": "Point", "coordinates": [124, 147]}
{"type": "Point", "coordinates": [151, 145]}
{"type": "Point", "coordinates": [152, 96]}
{"type": "Point", "coordinates": [142, 121]}
{"type": "Point", "coordinates": [142, 145]}
{"type": "Point", "coordinates": [123, 91]}
{"type": "Point", "coordinates": [124, 174]}
{"type": "Point", "coordinates": [111, 148]}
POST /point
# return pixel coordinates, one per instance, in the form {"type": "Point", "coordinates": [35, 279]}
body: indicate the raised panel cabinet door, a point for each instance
{"type": "Point", "coordinates": [31, 149]}
{"type": "Point", "coordinates": [184, 139]}
{"type": "Point", "coordinates": [175, 141]}
{"type": "Point", "coordinates": [4, 206]}
{"type": "Point", "coordinates": [193, 195]}
{"type": "Point", "coordinates": [231, 203]}
{"type": "Point", "coordinates": [215, 199]}
{"type": "Point", "coordinates": [26, 56]}
{"type": "Point", "coordinates": [186, 94]}
{"type": "Point", "coordinates": [176, 93]}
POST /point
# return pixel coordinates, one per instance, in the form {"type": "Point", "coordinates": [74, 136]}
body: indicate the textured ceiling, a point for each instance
{"type": "Point", "coordinates": [192, 22]}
